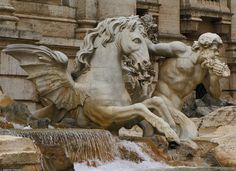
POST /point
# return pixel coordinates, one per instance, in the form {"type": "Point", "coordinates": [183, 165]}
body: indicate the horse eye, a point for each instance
{"type": "Point", "coordinates": [137, 40]}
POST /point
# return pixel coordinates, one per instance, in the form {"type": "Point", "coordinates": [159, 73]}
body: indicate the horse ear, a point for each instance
{"type": "Point", "coordinates": [122, 28]}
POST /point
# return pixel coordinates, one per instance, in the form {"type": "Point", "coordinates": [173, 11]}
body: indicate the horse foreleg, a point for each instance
{"type": "Point", "coordinates": [159, 105]}
{"type": "Point", "coordinates": [124, 113]}
{"type": "Point", "coordinates": [46, 112]}
{"type": "Point", "coordinates": [188, 129]}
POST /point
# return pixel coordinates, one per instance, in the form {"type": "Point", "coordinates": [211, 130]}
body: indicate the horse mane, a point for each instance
{"type": "Point", "coordinates": [106, 30]}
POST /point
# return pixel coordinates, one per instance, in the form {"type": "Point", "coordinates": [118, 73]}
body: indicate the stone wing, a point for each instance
{"type": "Point", "coordinates": [48, 71]}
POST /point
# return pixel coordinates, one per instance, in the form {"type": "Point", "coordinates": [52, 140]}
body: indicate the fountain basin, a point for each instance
{"type": "Point", "coordinates": [62, 147]}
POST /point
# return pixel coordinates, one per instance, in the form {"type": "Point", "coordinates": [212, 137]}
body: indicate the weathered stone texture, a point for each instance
{"type": "Point", "coordinates": [17, 152]}
{"type": "Point", "coordinates": [169, 17]}
{"type": "Point", "coordinates": [233, 24]}
{"type": "Point", "coordinates": [10, 66]}
{"type": "Point", "coordinates": [124, 8]}
{"type": "Point", "coordinates": [62, 24]}
{"type": "Point", "coordinates": [225, 152]}
{"type": "Point", "coordinates": [220, 117]}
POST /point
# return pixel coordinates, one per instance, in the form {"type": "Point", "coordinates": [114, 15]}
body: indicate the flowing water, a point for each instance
{"type": "Point", "coordinates": [122, 164]}
{"type": "Point", "coordinates": [88, 148]}
{"type": "Point", "coordinates": [92, 150]}
{"type": "Point", "coordinates": [79, 144]}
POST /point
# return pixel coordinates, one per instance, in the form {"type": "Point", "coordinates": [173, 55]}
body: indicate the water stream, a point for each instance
{"type": "Point", "coordinates": [93, 150]}
{"type": "Point", "coordinates": [79, 144]}
{"type": "Point", "coordinates": [121, 164]}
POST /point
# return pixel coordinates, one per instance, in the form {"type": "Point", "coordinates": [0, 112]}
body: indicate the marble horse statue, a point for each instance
{"type": "Point", "coordinates": [95, 93]}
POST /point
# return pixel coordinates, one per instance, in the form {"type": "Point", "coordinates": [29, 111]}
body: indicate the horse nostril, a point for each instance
{"type": "Point", "coordinates": [145, 62]}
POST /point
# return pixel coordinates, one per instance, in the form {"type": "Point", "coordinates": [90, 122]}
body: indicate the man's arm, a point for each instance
{"type": "Point", "coordinates": [172, 49]}
{"type": "Point", "coordinates": [212, 85]}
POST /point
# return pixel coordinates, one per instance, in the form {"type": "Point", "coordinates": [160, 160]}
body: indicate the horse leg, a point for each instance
{"type": "Point", "coordinates": [46, 112]}
{"type": "Point", "coordinates": [159, 105]}
{"type": "Point", "coordinates": [124, 113]}
{"type": "Point", "coordinates": [148, 130]}
{"type": "Point", "coordinates": [188, 129]}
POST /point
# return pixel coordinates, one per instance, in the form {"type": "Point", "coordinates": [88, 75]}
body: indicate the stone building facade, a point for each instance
{"type": "Point", "coordinates": [62, 24]}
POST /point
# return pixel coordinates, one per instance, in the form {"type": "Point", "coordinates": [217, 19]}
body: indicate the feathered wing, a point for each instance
{"type": "Point", "coordinates": [48, 71]}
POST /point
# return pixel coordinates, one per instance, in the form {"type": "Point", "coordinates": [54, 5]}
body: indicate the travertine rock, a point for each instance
{"type": "Point", "coordinates": [219, 127]}
{"type": "Point", "coordinates": [12, 111]}
{"type": "Point", "coordinates": [225, 152]}
{"type": "Point", "coordinates": [202, 111]}
{"type": "Point", "coordinates": [19, 153]}
{"type": "Point", "coordinates": [5, 100]}
{"type": "Point", "coordinates": [220, 117]}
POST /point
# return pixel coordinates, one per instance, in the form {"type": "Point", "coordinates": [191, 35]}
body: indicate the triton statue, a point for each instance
{"type": "Point", "coordinates": [184, 68]}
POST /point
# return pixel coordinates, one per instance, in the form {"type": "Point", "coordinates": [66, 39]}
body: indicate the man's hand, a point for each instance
{"type": "Point", "coordinates": [216, 67]}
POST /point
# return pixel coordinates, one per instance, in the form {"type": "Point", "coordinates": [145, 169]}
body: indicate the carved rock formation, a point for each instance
{"type": "Point", "coordinates": [225, 152]}
{"type": "Point", "coordinates": [219, 127]}
{"type": "Point", "coordinates": [19, 153]}
{"type": "Point", "coordinates": [220, 117]}
{"type": "Point", "coordinates": [61, 148]}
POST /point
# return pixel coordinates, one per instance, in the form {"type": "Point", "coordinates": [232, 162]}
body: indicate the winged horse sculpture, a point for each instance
{"type": "Point", "coordinates": [96, 93]}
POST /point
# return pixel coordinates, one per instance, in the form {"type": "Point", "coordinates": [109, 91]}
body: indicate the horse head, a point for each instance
{"type": "Point", "coordinates": [133, 45]}
{"type": "Point", "coordinates": [128, 35]}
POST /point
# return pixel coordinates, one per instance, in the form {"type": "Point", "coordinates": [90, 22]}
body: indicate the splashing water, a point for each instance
{"type": "Point", "coordinates": [90, 150]}
{"type": "Point", "coordinates": [80, 144]}
{"type": "Point", "coordinates": [133, 147]}
{"type": "Point", "coordinates": [124, 165]}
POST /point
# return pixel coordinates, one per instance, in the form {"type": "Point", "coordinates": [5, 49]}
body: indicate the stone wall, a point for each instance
{"type": "Point", "coordinates": [62, 24]}
{"type": "Point", "coordinates": [231, 52]}
{"type": "Point", "coordinates": [169, 20]}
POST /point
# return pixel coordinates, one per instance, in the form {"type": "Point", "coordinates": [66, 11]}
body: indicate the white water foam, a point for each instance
{"type": "Point", "coordinates": [121, 165]}
{"type": "Point", "coordinates": [133, 147]}
{"type": "Point", "coordinates": [124, 165]}
{"type": "Point", "coordinates": [15, 125]}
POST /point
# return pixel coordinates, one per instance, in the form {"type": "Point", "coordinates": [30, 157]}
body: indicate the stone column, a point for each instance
{"type": "Point", "coordinates": [231, 52]}
{"type": "Point", "coordinates": [115, 8]}
{"type": "Point", "coordinates": [90, 12]}
{"type": "Point", "coordinates": [7, 18]}
{"type": "Point", "coordinates": [169, 20]}
{"type": "Point", "coordinates": [86, 16]}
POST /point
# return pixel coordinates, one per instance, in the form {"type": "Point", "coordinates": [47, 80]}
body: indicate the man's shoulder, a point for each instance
{"type": "Point", "coordinates": [179, 47]}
